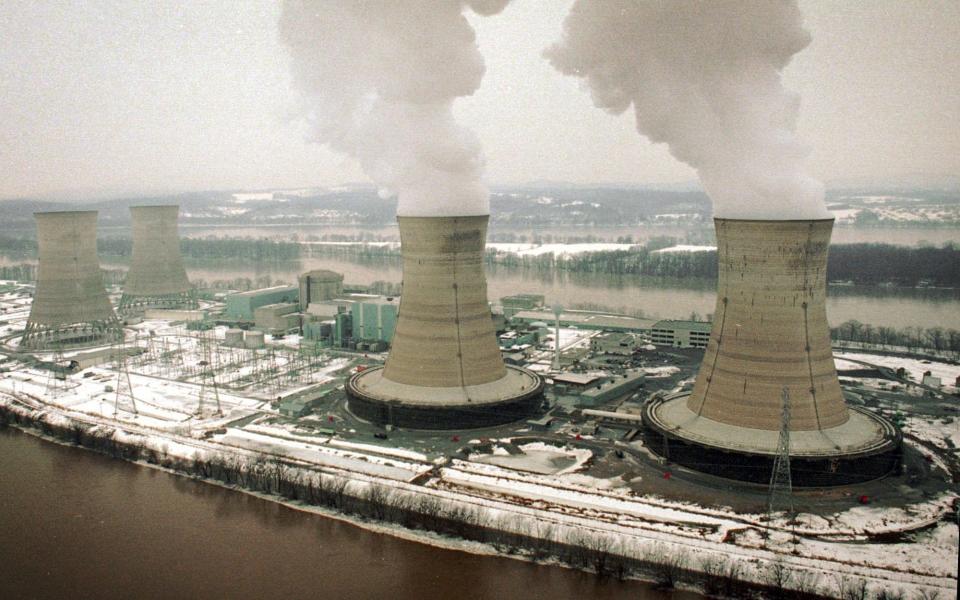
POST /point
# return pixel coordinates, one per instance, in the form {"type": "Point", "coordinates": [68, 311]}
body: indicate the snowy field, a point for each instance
{"type": "Point", "coordinates": [915, 367]}
{"type": "Point", "coordinates": [556, 249]}
{"type": "Point", "coordinates": [537, 457]}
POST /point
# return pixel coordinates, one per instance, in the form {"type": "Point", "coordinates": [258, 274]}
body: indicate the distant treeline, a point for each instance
{"type": "Point", "coordinates": [858, 263]}
{"type": "Point", "coordinates": [914, 339]}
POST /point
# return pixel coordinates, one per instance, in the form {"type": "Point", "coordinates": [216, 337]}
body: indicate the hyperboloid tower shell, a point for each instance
{"type": "Point", "coordinates": [157, 278]}
{"type": "Point", "coordinates": [444, 370]}
{"type": "Point", "coordinates": [70, 306]}
{"type": "Point", "coordinates": [770, 333]}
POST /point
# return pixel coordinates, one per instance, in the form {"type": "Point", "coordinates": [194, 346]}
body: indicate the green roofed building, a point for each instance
{"type": "Point", "coordinates": [240, 306]}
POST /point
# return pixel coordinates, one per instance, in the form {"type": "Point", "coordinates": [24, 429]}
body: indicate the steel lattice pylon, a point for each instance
{"type": "Point", "coordinates": [124, 387]}
{"type": "Point", "coordinates": [781, 485]}
{"type": "Point", "coordinates": [208, 376]}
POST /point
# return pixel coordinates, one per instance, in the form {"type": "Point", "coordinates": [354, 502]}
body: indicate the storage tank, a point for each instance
{"type": "Point", "coordinates": [233, 337]}
{"type": "Point", "coordinates": [157, 277]}
{"type": "Point", "coordinates": [444, 368]}
{"type": "Point", "coordinates": [253, 339]}
{"type": "Point", "coordinates": [70, 306]}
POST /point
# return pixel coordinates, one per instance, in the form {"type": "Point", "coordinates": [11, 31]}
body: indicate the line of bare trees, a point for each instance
{"type": "Point", "coordinates": [915, 339]}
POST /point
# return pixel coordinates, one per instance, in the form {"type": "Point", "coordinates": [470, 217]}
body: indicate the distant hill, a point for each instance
{"type": "Point", "coordinates": [530, 205]}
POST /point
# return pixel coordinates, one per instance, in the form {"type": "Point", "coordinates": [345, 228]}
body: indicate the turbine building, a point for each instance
{"type": "Point", "coordinates": [444, 370]}
{"type": "Point", "coordinates": [770, 334]}
{"type": "Point", "coordinates": [157, 277]}
{"type": "Point", "coordinates": [70, 306]}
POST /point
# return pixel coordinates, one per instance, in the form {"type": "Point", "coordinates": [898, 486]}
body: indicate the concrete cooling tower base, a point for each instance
{"type": "Point", "coordinates": [375, 398]}
{"type": "Point", "coordinates": [65, 337]}
{"type": "Point", "coordinates": [863, 448]}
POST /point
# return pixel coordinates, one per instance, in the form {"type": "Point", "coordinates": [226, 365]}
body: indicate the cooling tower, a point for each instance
{"type": "Point", "coordinates": [70, 306]}
{"type": "Point", "coordinates": [157, 278]}
{"type": "Point", "coordinates": [770, 333]}
{"type": "Point", "coordinates": [444, 370]}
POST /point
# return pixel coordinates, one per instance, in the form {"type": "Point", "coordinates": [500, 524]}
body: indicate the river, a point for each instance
{"type": "Point", "coordinates": [74, 524]}
{"type": "Point", "coordinates": [655, 297]}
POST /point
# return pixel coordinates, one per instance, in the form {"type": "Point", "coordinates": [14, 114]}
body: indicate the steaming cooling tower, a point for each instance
{"type": "Point", "coordinates": [70, 306]}
{"type": "Point", "coordinates": [770, 333]}
{"type": "Point", "coordinates": [444, 370]}
{"type": "Point", "coordinates": [157, 278]}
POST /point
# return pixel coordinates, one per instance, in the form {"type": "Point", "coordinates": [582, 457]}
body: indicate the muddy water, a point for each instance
{"type": "Point", "coordinates": [74, 524]}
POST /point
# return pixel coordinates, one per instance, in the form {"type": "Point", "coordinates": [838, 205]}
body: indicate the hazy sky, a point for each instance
{"type": "Point", "coordinates": [160, 96]}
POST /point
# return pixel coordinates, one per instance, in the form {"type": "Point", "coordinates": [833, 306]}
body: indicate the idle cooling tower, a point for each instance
{"type": "Point", "coordinates": [770, 334]}
{"type": "Point", "coordinates": [770, 329]}
{"type": "Point", "coordinates": [70, 306]}
{"type": "Point", "coordinates": [444, 370]}
{"type": "Point", "coordinates": [157, 278]}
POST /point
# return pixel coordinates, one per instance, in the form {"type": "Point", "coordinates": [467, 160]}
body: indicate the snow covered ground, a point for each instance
{"type": "Point", "coordinates": [556, 249]}
{"type": "Point", "coordinates": [685, 248]}
{"type": "Point", "coordinates": [915, 367]}
{"type": "Point", "coordinates": [538, 457]}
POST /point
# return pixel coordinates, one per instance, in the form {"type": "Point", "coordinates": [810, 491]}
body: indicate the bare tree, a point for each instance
{"type": "Point", "coordinates": [853, 588]}
{"type": "Point", "coordinates": [670, 567]}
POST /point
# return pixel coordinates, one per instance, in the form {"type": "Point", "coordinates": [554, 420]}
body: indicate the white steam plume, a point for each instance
{"type": "Point", "coordinates": [378, 79]}
{"type": "Point", "coordinates": [704, 77]}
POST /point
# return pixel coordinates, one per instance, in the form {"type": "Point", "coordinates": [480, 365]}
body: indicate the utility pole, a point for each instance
{"type": "Point", "coordinates": [781, 484]}
{"type": "Point", "coordinates": [557, 311]}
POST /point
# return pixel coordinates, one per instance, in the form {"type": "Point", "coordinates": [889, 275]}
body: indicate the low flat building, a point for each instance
{"type": "Point", "coordinates": [681, 334]}
{"type": "Point", "coordinates": [586, 319]}
{"type": "Point", "coordinates": [612, 389]}
{"type": "Point", "coordinates": [615, 343]}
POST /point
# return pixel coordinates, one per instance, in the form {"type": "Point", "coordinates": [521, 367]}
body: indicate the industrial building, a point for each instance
{"type": "Point", "coordinates": [319, 285]}
{"type": "Point", "coordinates": [374, 318]}
{"type": "Point", "coordinates": [240, 306]}
{"type": "Point", "coordinates": [353, 321]}
{"type": "Point", "coordinates": [514, 304]}
{"type": "Point", "coordinates": [681, 334]}
{"type": "Point", "coordinates": [279, 318]}
{"type": "Point", "coordinates": [157, 277]}
{"type": "Point", "coordinates": [444, 370]}
{"type": "Point", "coordinates": [586, 319]}
{"type": "Point", "coordinates": [770, 337]}
{"type": "Point", "coordinates": [615, 343]}
{"type": "Point", "coordinates": [70, 306]}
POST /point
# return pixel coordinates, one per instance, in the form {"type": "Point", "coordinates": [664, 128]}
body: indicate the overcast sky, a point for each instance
{"type": "Point", "coordinates": [128, 97]}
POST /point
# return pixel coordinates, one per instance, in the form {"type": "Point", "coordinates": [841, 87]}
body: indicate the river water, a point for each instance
{"type": "Point", "coordinates": [655, 297]}
{"type": "Point", "coordinates": [74, 524]}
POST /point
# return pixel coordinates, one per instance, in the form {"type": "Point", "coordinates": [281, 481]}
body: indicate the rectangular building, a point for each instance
{"type": "Point", "coordinates": [241, 305]}
{"type": "Point", "coordinates": [681, 334]}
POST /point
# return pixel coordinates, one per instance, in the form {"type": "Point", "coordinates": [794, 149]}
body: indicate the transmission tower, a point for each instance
{"type": "Point", "coordinates": [56, 376]}
{"type": "Point", "coordinates": [208, 376]}
{"type": "Point", "coordinates": [124, 387]}
{"type": "Point", "coordinates": [781, 485]}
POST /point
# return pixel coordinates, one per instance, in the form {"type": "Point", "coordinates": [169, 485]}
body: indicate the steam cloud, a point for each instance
{"type": "Point", "coordinates": [703, 77]}
{"type": "Point", "coordinates": [379, 79]}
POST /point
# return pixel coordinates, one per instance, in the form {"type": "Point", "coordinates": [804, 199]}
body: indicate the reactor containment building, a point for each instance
{"type": "Point", "coordinates": [770, 334]}
{"type": "Point", "coordinates": [157, 277]}
{"type": "Point", "coordinates": [444, 369]}
{"type": "Point", "coordinates": [70, 305]}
